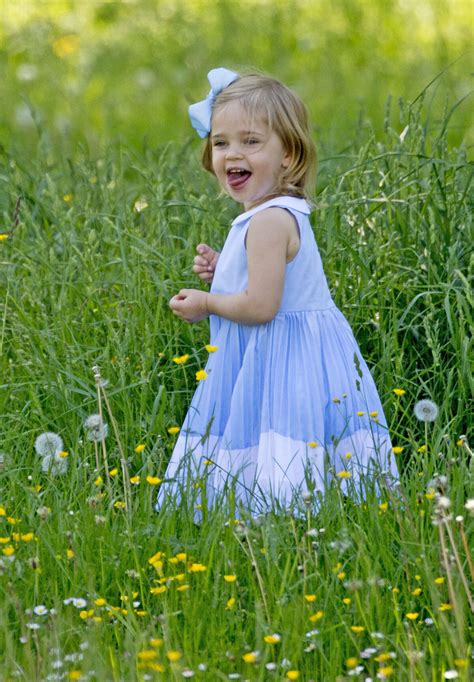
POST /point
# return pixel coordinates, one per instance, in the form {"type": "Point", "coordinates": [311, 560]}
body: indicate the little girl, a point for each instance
{"type": "Point", "coordinates": [287, 403]}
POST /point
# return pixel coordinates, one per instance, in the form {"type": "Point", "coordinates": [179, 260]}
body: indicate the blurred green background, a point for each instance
{"type": "Point", "coordinates": [100, 72]}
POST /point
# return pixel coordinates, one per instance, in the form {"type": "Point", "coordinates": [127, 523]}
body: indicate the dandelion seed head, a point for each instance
{"type": "Point", "coordinates": [48, 443]}
{"type": "Point", "coordinates": [426, 410]}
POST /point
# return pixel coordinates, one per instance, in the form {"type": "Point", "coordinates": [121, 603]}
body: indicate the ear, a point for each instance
{"type": "Point", "coordinates": [286, 160]}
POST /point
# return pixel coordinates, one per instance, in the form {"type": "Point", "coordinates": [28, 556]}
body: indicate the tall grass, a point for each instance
{"type": "Point", "coordinates": [86, 273]}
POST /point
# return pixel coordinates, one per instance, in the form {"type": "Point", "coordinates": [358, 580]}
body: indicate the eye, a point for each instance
{"type": "Point", "coordinates": [218, 143]}
{"type": "Point", "coordinates": [251, 140]}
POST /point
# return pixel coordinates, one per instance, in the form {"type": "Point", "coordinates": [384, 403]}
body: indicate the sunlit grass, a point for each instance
{"type": "Point", "coordinates": [94, 584]}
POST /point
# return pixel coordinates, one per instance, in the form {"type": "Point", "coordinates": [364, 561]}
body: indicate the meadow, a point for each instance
{"type": "Point", "coordinates": [98, 231]}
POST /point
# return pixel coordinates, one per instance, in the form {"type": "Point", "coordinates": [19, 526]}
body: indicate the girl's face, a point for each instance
{"type": "Point", "coordinates": [247, 157]}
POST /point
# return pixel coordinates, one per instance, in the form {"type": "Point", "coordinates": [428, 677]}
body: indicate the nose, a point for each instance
{"type": "Point", "coordinates": [233, 151]}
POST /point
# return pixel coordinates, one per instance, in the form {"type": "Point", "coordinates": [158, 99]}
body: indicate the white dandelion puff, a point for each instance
{"type": "Point", "coordinates": [48, 444]}
{"type": "Point", "coordinates": [470, 506]}
{"type": "Point", "coordinates": [54, 464]}
{"type": "Point", "coordinates": [97, 429]}
{"type": "Point", "coordinates": [426, 410]}
{"type": "Point", "coordinates": [93, 421]}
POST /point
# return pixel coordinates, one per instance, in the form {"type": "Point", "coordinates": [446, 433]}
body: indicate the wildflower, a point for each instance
{"type": "Point", "coordinates": [440, 580]}
{"type": "Point", "coordinates": [412, 616]}
{"type": "Point", "coordinates": [183, 588]}
{"type": "Point", "coordinates": [197, 568]}
{"type": "Point", "coordinates": [70, 553]}
{"type": "Point", "coordinates": [4, 236]}
{"type": "Point", "coordinates": [397, 450]}
{"type": "Point", "coordinates": [153, 480]}
{"type": "Point", "coordinates": [360, 413]}
{"type": "Point", "coordinates": [310, 597]}
{"type": "Point", "coordinates": [187, 673]}
{"type": "Point", "coordinates": [113, 472]}
{"type": "Point", "coordinates": [140, 205]}
{"type": "Point", "coordinates": [173, 656]}
{"type": "Point", "coordinates": [357, 628]}
{"type": "Point", "coordinates": [180, 360]}
{"type": "Point", "coordinates": [156, 642]}
{"type": "Point", "coordinates": [54, 464]}
{"type": "Point", "coordinates": [292, 674]}
{"type": "Point", "coordinates": [416, 592]}
{"type": "Point", "coordinates": [272, 639]}
{"type": "Point", "coordinates": [173, 430]}
{"type": "Point", "coordinates": [250, 656]}
{"type": "Point", "coordinates": [148, 655]}
{"type": "Point", "coordinates": [312, 444]}
{"type": "Point", "coordinates": [8, 551]}
{"type": "Point", "coordinates": [451, 675]}
{"type": "Point", "coordinates": [158, 590]}
{"type": "Point", "coordinates": [211, 349]}
{"type": "Point", "coordinates": [135, 480]}
{"type": "Point", "coordinates": [352, 662]}
{"type": "Point", "coordinates": [47, 444]}
{"type": "Point", "coordinates": [385, 672]}
{"type": "Point", "coordinates": [344, 474]}
{"type": "Point", "coordinates": [470, 506]}
{"type": "Point", "coordinates": [97, 429]}
{"type": "Point", "coordinates": [99, 601]}
{"type": "Point", "coordinates": [40, 610]}
{"type": "Point", "coordinates": [230, 578]}
{"type": "Point", "coordinates": [347, 601]}
{"type": "Point", "coordinates": [201, 375]}
{"type": "Point", "coordinates": [399, 391]}
{"type": "Point", "coordinates": [181, 556]}
{"type": "Point", "coordinates": [316, 616]}
{"type": "Point", "coordinates": [426, 410]}
{"type": "Point", "coordinates": [373, 414]}
{"type": "Point", "coordinates": [445, 607]}
{"type": "Point", "coordinates": [230, 603]}
{"type": "Point", "coordinates": [139, 448]}
{"type": "Point", "coordinates": [383, 506]}
{"type": "Point", "coordinates": [33, 626]}
{"type": "Point", "coordinates": [120, 504]}
{"type": "Point", "coordinates": [3, 511]}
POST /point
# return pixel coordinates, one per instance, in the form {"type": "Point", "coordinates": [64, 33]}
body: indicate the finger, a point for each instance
{"type": "Point", "coordinates": [203, 249]}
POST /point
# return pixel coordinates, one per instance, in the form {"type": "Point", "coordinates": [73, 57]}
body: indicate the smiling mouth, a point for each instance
{"type": "Point", "coordinates": [236, 178]}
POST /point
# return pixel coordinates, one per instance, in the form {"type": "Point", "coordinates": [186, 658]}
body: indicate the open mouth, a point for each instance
{"type": "Point", "coordinates": [237, 177]}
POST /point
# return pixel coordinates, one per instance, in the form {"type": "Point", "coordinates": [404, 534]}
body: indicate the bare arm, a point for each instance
{"type": "Point", "coordinates": [268, 239]}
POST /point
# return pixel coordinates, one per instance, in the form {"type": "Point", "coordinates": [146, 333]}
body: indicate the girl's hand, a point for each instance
{"type": "Point", "coordinates": [205, 264]}
{"type": "Point", "coordinates": [190, 305]}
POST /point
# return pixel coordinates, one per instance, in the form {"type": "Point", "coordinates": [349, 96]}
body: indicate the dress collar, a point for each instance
{"type": "Point", "coordinates": [294, 203]}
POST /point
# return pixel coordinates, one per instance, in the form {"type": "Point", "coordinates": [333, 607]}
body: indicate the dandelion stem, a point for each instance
{"type": "Point", "coordinates": [249, 551]}
{"type": "Point", "coordinates": [445, 559]}
{"type": "Point", "coordinates": [123, 461]}
{"type": "Point", "coordinates": [459, 565]}
{"type": "Point", "coordinates": [97, 377]}
{"type": "Point", "coordinates": [468, 551]}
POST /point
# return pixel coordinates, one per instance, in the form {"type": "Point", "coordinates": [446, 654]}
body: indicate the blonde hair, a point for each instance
{"type": "Point", "coordinates": [286, 115]}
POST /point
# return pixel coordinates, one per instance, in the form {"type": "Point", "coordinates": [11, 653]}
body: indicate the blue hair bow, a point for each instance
{"type": "Point", "coordinates": [201, 112]}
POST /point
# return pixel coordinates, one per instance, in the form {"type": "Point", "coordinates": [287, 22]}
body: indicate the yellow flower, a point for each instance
{"type": "Point", "coordinates": [148, 655]}
{"type": "Point", "coordinates": [461, 662]}
{"type": "Point", "coordinates": [201, 374]}
{"type": "Point", "coordinates": [422, 448]}
{"type": "Point", "coordinates": [412, 616]}
{"type": "Point", "coordinates": [416, 592]}
{"type": "Point", "coordinates": [250, 657]}
{"type": "Point", "coordinates": [70, 553]}
{"type": "Point", "coordinates": [181, 556]}
{"type": "Point", "coordinates": [383, 506]}
{"type": "Point", "coordinates": [183, 588]}
{"type": "Point", "coordinates": [2, 511]}
{"type": "Point", "coordinates": [316, 616]}
{"type": "Point", "coordinates": [181, 359]}
{"type": "Point", "coordinates": [63, 454]}
{"type": "Point", "coordinates": [445, 607]}
{"type": "Point", "coordinates": [312, 444]}
{"type": "Point", "coordinates": [62, 47]}
{"type": "Point", "coordinates": [310, 597]}
{"type": "Point", "coordinates": [357, 628]}
{"type": "Point", "coordinates": [344, 474]}
{"type": "Point", "coordinates": [230, 603]}
{"type": "Point", "coordinates": [119, 504]}
{"type": "Point", "coordinates": [68, 198]}
{"type": "Point", "coordinates": [139, 448]}
{"type": "Point", "coordinates": [197, 568]}
{"type": "Point", "coordinates": [373, 414]}
{"type": "Point", "coordinates": [156, 642]}
{"type": "Point", "coordinates": [399, 391]}
{"type": "Point", "coordinates": [173, 656]}
{"type": "Point", "coordinates": [135, 480]}
{"type": "Point", "coordinates": [360, 413]}
{"type": "Point", "coordinates": [153, 480]}
{"type": "Point", "coordinates": [74, 674]}
{"type": "Point", "coordinates": [100, 602]}
{"type": "Point", "coordinates": [272, 639]}
{"type": "Point", "coordinates": [430, 495]}
{"type": "Point", "coordinates": [173, 430]}
{"type": "Point", "coordinates": [8, 551]}
{"type": "Point", "coordinates": [397, 450]}
{"type": "Point", "coordinates": [4, 540]}
{"type": "Point", "coordinates": [113, 472]}
{"type": "Point", "coordinates": [84, 615]}
{"type": "Point", "coordinates": [386, 671]}
{"type": "Point", "coordinates": [211, 349]}
{"type": "Point", "coordinates": [230, 578]}
{"type": "Point", "coordinates": [352, 662]}
{"type": "Point", "coordinates": [27, 537]}
{"type": "Point", "coordinates": [292, 674]}
{"type": "Point", "coordinates": [3, 236]}
{"type": "Point", "coordinates": [346, 601]}
{"type": "Point", "coordinates": [158, 590]}
{"type": "Point", "coordinates": [395, 590]}
{"type": "Point", "coordinates": [98, 481]}
{"type": "Point", "coordinates": [440, 580]}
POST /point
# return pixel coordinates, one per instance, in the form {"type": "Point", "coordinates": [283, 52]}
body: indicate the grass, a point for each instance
{"type": "Point", "coordinates": [85, 278]}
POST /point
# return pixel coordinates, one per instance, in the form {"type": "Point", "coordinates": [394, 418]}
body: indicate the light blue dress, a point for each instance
{"type": "Point", "coordinates": [288, 405]}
